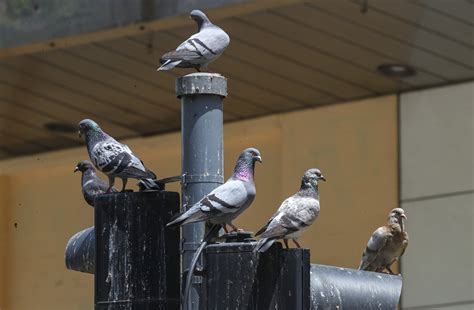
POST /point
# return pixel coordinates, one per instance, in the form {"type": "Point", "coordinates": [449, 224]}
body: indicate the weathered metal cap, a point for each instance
{"type": "Point", "coordinates": [201, 83]}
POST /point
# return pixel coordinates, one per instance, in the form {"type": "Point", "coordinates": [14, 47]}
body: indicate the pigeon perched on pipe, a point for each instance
{"type": "Point", "coordinates": [200, 49]}
{"type": "Point", "coordinates": [294, 215]}
{"type": "Point", "coordinates": [227, 201]}
{"type": "Point", "coordinates": [387, 244]}
{"type": "Point", "coordinates": [91, 184]}
{"type": "Point", "coordinates": [112, 157]}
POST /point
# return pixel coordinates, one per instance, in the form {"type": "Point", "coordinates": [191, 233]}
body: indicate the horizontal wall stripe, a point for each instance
{"type": "Point", "coordinates": [437, 196]}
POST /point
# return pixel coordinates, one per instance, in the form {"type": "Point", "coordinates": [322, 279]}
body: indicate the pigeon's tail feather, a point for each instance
{"type": "Point", "coordinates": [149, 184]}
{"type": "Point", "coordinates": [169, 64]}
{"type": "Point", "coordinates": [261, 230]}
{"type": "Point", "coordinates": [263, 245]}
{"type": "Point", "coordinates": [151, 175]}
{"type": "Point", "coordinates": [135, 173]}
{"type": "Point", "coordinates": [191, 216]}
{"type": "Point", "coordinates": [177, 220]}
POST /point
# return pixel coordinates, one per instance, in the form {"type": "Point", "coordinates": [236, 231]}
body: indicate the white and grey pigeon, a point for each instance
{"type": "Point", "coordinates": [294, 215]}
{"type": "Point", "coordinates": [200, 49]}
{"type": "Point", "coordinates": [91, 184]}
{"type": "Point", "coordinates": [227, 201]}
{"type": "Point", "coordinates": [112, 157]}
{"type": "Point", "coordinates": [387, 244]}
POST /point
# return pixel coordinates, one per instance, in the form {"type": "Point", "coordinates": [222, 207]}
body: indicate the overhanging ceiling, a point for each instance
{"type": "Point", "coordinates": [280, 59]}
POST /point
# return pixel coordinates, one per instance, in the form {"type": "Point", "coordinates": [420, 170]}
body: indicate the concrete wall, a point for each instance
{"type": "Point", "coordinates": [437, 192]}
{"type": "Point", "coordinates": [354, 144]}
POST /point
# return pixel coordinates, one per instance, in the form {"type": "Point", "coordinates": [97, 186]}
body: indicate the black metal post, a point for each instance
{"type": "Point", "coordinates": [137, 258]}
{"type": "Point", "coordinates": [202, 153]}
{"type": "Point", "coordinates": [238, 278]}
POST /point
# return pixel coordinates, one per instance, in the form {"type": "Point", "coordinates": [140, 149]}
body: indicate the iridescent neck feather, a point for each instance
{"type": "Point", "coordinates": [244, 170]}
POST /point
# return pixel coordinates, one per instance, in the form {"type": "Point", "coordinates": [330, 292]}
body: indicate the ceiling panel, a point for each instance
{"type": "Point", "coordinates": [387, 24]}
{"type": "Point", "coordinates": [429, 21]}
{"type": "Point", "coordinates": [460, 10]}
{"type": "Point", "coordinates": [358, 53]}
{"type": "Point", "coordinates": [343, 26]}
{"type": "Point", "coordinates": [326, 45]}
{"type": "Point", "coordinates": [302, 55]}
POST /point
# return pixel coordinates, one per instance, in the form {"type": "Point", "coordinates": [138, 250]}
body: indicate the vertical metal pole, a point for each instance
{"type": "Point", "coordinates": [202, 154]}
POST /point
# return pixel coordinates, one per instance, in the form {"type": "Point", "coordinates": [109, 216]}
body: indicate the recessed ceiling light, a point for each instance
{"type": "Point", "coordinates": [396, 70]}
{"type": "Point", "coordinates": [60, 127]}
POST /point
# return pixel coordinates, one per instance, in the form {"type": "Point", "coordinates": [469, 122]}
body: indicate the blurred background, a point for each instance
{"type": "Point", "coordinates": [377, 94]}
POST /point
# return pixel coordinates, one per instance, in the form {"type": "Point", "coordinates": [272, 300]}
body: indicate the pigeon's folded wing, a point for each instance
{"type": "Point", "coordinates": [375, 246]}
{"type": "Point", "coordinates": [112, 158]}
{"type": "Point", "coordinates": [294, 214]}
{"type": "Point", "coordinates": [225, 199]}
{"type": "Point", "coordinates": [183, 55]}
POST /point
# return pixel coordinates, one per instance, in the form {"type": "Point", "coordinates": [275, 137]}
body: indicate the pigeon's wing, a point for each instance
{"type": "Point", "coordinates": [375, 247]}
{"type": "Point", "coordinates": [92, 187]}
{"type": "Point", "coordinates": [211, 41]}
{"type": "Point", "coordinates": [227, 198]}
{"type": "Point", "coordinates": [114, 158]}
{"type": "Point", "coordinates": [184, 54]}
{"type": "Point", "coordinates": [264, 228]}
{"type": "Point", "coordinates": [294, 214]}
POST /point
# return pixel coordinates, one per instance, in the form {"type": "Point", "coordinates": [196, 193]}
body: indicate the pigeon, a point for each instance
{"type": "Point", "coordinates": [294, 215]}
{"type": "Point", "coordinates": [91, 184]}
{"type": "Point", "coordinates": [387, 244]}
{"type": "Point", "coordinates": [112, 157]}
{"type": "Point", "coordinates": [200, 49]}
{"type": "Point", "coordinates": [227, 201]}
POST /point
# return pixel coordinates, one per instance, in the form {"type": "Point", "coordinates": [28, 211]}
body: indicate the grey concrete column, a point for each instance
{"type": "Point", "coordinates": [202, 153]}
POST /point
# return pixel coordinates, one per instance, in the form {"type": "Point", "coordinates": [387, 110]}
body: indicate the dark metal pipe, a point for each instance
{"type": "Point", "coordinates": [343, 288]}
{"type": "Point", "coordinates": [202, 153]}
{"type": "Point", "coordinates": [80, 251]}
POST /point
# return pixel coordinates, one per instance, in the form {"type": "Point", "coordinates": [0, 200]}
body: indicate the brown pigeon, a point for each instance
{"type": "Point", "coordinates": [387, 244]}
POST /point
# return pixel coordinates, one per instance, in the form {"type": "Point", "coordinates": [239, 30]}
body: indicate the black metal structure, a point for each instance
{"type": "Point", "coordinates": [80, 251]}
{"type": "Point", "coordinates": [238, 278]}
{"type": "Point", "coordinates": [137, 265]}
{"type": "Point", "coordinates": [136, 259]}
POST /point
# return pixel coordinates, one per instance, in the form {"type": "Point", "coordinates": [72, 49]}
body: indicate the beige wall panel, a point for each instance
{"type": "Point", "coordinates": [438, 265]}
{"type": "Point", "coordinates": [4, 237]}
{"type": "Point", "coordinates": [437, 145]}
{"type": "Point", "coordinates": [469, 306]}
{"type": "Point", "coordinates": [354, 144]}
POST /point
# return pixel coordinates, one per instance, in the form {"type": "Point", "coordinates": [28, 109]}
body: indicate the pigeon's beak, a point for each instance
{"type": "Point", "coordinates": [258, 158]}
{"type": "Point", "coordinates": [322, 178]}
{"type": "Point", "coordinates": [75, 169]}
{"type": "Point", "coordinates": [404, 216]}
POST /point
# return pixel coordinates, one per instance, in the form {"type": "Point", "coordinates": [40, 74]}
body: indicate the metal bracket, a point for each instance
{"type": "Point", "coordinates": [202, 178]}
{"type": "Point", "coordinates": [185, 179]}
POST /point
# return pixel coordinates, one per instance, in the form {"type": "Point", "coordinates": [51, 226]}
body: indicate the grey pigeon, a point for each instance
{"type": "Point", "coordinates": [222, 205]}
{"type": "Point", "coordinates": [387, 244]}
{"type": "Point", "coordinates": [294, 215]}
{"type": "Point", "coordinates": [91, 184]}
{"type": "Point", "coordinates": [112, 157]}
{"type": "Point", "coordinates": [200, 49]}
